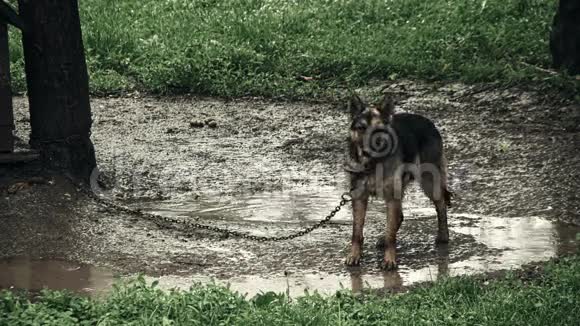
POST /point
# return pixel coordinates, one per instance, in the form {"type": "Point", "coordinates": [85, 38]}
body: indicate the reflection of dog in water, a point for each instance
{"type": "Point", "coordinates": [386, 152]}
{"type": "Point", "coordinates": [393, 281]}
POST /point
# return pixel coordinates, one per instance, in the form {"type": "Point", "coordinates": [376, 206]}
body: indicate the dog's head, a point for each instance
{"type": "Point", "coordinates": [371, 135]}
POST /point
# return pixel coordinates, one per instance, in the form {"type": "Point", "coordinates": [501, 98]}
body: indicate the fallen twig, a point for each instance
{"type": "Point", "coordinates": [548, 71]}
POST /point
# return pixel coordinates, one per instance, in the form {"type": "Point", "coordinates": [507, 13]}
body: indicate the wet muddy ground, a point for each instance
{"type": "Point", "coordinates": [272, 168]}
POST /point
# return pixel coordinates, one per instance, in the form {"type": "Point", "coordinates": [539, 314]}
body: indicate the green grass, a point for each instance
{"type": "Point", "coordinates": [550, 299]}
{"type": "Point", "coordinates": [259, 47]}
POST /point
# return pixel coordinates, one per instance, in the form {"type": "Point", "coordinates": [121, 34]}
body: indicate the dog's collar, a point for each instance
{"type": "Point", "coordinates": [352, 166]}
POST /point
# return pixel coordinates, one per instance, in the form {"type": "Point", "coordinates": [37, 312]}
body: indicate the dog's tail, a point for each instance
{"type": "Point", "coordinates": [447, 194]}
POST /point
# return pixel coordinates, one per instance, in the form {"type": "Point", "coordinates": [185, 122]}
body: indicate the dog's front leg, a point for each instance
{"type": "Point", "coordinates": [394, 214]}
{"type": "Point", "coordinates": [359, 210]}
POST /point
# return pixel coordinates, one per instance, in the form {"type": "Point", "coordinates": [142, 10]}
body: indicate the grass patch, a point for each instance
{"type": "Point", "coordinates": [260, 47]}
{"type": "Point", "coordinates": [553, 298]}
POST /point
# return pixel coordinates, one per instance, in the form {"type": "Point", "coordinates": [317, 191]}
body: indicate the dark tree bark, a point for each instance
{"type": "Point", "coordinates": [565, 37]}
{"type": "Point", "coordinates": [58, 85]}
{"type": "Point", "coordinates": [8, 15]}
{"type": "Point", "coordinates": [6, 116]}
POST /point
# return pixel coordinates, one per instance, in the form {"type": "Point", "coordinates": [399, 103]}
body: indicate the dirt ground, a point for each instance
{"type": "Point", "coordinates": [271, 168]}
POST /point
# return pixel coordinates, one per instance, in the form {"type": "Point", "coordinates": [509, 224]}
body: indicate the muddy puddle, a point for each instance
{"type": "Point", "coordinates": [273, 168]}
{"type": "Point", "coordinates": [481, 244]}
{"type": "Point", "coordinates": [37, 274]}
{"type": "Point", "coordinates": [290, 206]}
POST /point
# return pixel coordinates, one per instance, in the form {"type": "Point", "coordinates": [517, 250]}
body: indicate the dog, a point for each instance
{"type": "Point", "coordinates": [386, 152]}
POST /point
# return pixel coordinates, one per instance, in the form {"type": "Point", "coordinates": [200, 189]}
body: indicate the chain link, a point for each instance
{"type": "Point", "coordinates": [345, 198]}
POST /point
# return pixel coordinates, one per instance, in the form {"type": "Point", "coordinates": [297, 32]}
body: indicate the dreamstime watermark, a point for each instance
{"type": "Point", "coordinates": [121, 177]}
{"type": "Point", "coordinates": [384, 171]}
{"type": "Point", "coordinates": [385, 174]}
{"type": "Point", "coordinates": [380, 142]}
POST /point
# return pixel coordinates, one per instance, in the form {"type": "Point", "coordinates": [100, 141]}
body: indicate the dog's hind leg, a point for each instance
{"type": "Point", "coordinates": [434, 184]}
{"type": "Point", "coordinates": [442, 227]}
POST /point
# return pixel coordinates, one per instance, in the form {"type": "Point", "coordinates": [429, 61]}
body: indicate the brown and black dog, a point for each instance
{"type": "Point", "coordinates": [386, 152]}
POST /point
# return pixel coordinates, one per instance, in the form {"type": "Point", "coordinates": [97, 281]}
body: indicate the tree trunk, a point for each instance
{"type": "Point", "coordinates": [6, 116]}
{"type": "Point", "coordinates": [58, 85]}
{"type": "Point", "coordinates": [565, 37]}
{"type": "Point", "coordinates": [8, 15]}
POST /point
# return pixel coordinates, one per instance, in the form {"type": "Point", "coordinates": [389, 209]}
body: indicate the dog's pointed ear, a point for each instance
{"type": "Point", "coordinates": [355, 105]}
{"type": "Point", "coordinates": [387, 107]}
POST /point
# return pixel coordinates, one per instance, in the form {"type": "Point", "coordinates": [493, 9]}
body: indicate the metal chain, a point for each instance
{"type": "Point", "coordinates": [345, 198]}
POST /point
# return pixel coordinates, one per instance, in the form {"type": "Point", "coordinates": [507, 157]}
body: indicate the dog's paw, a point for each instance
{"type": "Point", "coordinates": [352, 260]}
{"type": "Point", "coordinates": [389, 265]}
